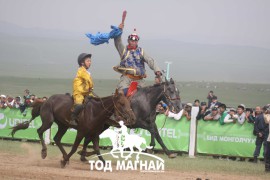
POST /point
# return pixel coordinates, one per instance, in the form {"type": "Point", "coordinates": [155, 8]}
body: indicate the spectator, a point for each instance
{"type": "Point", "coordinates": [267, 149]}
{"type": "Point", "coordinates": [214, 102]}
{"type": "Point", "coordinates": [233, 115]}
{"type": "Point", "coordinates": [161, 108]}
{"type": "Point", "coordinates": [249, 116]}
{"type": "Point", "coordinates": [32, 98]}
{"type": "Point", "coordinates": [213, 115]}
{"type": "Point", "coordinates": [17, 102]}
{"type": "Point", "coordinates": [241, 114]}
{"type": "Point", "coordinates": [202, 111]}
{"type": "Point", "coordinates": [196, 103]}
{"type": "Point", "coordinates": [258, 111]}
{"type": "Point", "coordinates": [27, 98]}
{"type": "Point", "coordinates": [184, 112]}
{"type": "Point", "coordinates": [210, 97]}
{"type": "Point", "coordinates": [261, 133]}
{"type": "Point", "coordinates": [10, 102]}
{"type": "Point", "coordinates": [27, 102]}
{"type": "Point", "coordinates": [3, 104]}
{"type": "Point", "coordinates": [187, 111]}
{"type": "Point", "coordinates": [226, 117]}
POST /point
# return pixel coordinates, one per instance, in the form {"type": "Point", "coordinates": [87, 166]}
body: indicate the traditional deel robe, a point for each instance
{"type": "Point", "coordinates": [133, 59]}
{"type": "Point", "coordinates": [82, 85]}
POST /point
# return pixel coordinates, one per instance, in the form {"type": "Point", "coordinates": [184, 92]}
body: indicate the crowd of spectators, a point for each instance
{"type": "Point", "coordinates": [219, 112]}
{"type": "Point", "coordinates": [18, 102]}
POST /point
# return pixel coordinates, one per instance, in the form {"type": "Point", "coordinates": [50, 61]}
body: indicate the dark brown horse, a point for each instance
{"type": "Point", "coordinates": [91, 120]}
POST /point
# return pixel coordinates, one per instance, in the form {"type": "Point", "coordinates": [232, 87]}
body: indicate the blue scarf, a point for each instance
{"type": "Point", "coordinates": [101, 38]}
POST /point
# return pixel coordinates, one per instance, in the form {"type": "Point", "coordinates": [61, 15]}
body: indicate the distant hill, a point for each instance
{"type": "Point", "coordinates": [53, 54]}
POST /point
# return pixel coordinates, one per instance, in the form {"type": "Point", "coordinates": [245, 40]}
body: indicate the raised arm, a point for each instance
{"type": "Point", "coordinates": [118, 43]}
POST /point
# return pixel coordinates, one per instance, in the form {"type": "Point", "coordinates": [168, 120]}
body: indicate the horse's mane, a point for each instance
{"type": "Point", "coordinates": [149, 88]}
{"type": "Point", "coordinates": [99, 98]}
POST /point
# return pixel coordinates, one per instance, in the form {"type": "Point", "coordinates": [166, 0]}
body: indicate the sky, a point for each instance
{"type": "Point", "coordinates": [232, 22]}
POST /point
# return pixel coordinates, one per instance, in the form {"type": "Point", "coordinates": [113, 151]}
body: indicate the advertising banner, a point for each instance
{"type": "Point", "coordinates": [10, 117]}
{"type": "Point", "coordinates": [228, 139]}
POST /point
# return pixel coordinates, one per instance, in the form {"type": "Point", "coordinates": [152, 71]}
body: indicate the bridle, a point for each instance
{"type": "Point", "coordinates": [115, 107]}
{"type": "Point", "coordinates": [168, 97]}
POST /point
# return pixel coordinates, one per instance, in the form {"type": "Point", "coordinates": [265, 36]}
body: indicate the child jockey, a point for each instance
{"type": "Point", "coordinates": [82, 86]}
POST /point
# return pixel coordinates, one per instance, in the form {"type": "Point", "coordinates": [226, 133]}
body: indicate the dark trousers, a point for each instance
{"type": "Point", "coordinates": [259, 142]}
{"type": "Point", "coordinates": [267, 157]}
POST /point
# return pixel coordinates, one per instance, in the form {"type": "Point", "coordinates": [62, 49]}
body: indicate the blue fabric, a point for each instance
{"type": "Point", "coordinates": [101, 38]}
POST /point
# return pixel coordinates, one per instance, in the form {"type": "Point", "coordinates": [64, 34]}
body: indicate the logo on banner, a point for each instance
{"type": "Point", "coordinates": [3, 123]}
{"type": "Point", "coordinates": [121, 140]}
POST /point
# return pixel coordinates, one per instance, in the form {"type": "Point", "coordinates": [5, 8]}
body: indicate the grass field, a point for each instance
{"type": "Point", "coordinates": [232, 94]}
{"type": "Point", "coordinates": [203, 166]}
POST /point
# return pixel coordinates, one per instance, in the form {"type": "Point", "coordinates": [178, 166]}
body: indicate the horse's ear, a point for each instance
{"type": "Point", "coordinates": [166, 81]}
{"type": "Point", "coordinates": [116, 92]}
{"type": "Point", "coordinates": [171, 81]}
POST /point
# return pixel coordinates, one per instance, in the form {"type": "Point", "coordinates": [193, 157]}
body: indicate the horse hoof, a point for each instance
{"type": "Point", "coordinates": [149, 151]}
{"type": "Point", "coordinates": [63, 163]}
{"type": "Point", "coordinates": [172, 155]}
{"type": "Point", "coordinates": [83, 159]}
{"type": "Point", "coordinates": [43, 153]}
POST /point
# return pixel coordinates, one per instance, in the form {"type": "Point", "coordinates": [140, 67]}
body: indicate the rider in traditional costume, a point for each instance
{"type": "Point", "coordinates": [132, 65]}
{"type": "Point", "coordinates": [82, 86]}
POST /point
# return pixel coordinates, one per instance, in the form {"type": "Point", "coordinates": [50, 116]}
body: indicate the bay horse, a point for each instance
{"type": "Point", "coordinates": [143, 104]}
{"type": "Point", "coordinates": [91, 120]}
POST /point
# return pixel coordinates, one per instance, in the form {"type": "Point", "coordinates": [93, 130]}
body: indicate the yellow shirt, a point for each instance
{"type": "Point", "coordinates": [82, 83]}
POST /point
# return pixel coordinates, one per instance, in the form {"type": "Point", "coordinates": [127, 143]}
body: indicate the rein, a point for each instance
{"type": "Point", "coordinates": [115, 107]}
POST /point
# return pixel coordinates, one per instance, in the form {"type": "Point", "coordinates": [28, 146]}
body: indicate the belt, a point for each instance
{"type": "Point", "coordinates": [135, 77]}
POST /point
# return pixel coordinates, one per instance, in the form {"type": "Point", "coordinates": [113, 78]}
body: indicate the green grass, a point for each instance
{"type": "Point", "coordinates": [180, 163]}
{"type": "Point", "coordinates": [232, 94]}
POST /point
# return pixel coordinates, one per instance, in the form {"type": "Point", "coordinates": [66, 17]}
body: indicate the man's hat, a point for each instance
{"type": "Point", "coordinates": [232, 109]}
{"type": "Point", "coordinates": [203, 103]}
{"type": "Point", "coordinates": [82, 57]}
{"type": "Point", "coordinates": [189, 104]}
{"type": "Point", "coordinates": [242, 106]}
{"type": "Point", "coordinates": [134, 36]}
{"type": "Point", "coordinates": [3, 96]}
{"type": "Point", "coordinates": [214, 109]}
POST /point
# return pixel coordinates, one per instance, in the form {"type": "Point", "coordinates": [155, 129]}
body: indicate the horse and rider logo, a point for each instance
{"type": "Point", "coordinates": [121, 140]}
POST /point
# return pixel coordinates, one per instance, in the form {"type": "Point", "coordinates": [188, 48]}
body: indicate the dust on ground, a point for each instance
{"type": "Point", "coordinates": [32, 166]}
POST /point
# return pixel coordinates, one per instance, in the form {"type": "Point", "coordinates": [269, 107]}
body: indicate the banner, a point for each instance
{"type": "Point", "coordinates": [212, 138]}
{"type": "Point", "coordinates": [228, 139]}
{"type": "Point", "coordinates": [175, 134]}
{"type": "Point", "coordinates": [10, 117]}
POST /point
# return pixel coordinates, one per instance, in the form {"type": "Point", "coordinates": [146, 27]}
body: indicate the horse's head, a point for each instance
{"type": "Point", "coordinates": [123, 109]}
{"type": "Point", "coordinates": [172, 96]}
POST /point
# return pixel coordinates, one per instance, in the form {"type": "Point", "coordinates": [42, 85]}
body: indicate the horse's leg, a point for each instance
{"type": "Point", "coordinates": [96, 148]}
{"type": "Point", "coordinates": [87, 140]}
{"type": "Point", "coordinates": [152, 143]}
{"type": "Point", "coordinates": [45, 125]}
{"type": "Point", "coordinates": [78, 139]}
{"type": "Point", "coordinates": [83, 152]}
{"type": "Point", "coordinates": [154, 130]}
{"type": "Point", "coordinates": [58, 136]}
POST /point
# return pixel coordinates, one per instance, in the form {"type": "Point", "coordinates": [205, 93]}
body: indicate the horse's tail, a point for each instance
{"type": "Point", "coordinates": [35, 113]}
